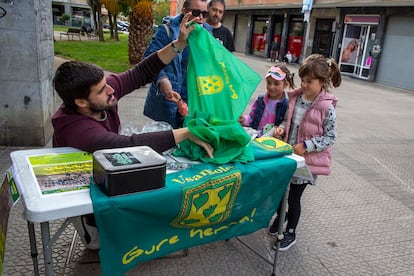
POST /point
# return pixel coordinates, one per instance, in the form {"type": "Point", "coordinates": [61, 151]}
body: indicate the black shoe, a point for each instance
{"type": "Point", "coordinates": [274, 227]}
{"type": "Point", "coordinates": [289, 239]}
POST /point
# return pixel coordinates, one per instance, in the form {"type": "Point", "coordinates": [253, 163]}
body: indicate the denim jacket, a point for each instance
{"type": "Point", "coordinates": [156, 106]}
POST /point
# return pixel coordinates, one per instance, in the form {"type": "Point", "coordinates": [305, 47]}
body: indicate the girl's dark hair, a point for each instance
{"type": "Point", "coordinates": [289, 76]}
{"type": "Point", "coordinates": [73, 80]}
{"type": "Point", "coordinates": [326, 70]}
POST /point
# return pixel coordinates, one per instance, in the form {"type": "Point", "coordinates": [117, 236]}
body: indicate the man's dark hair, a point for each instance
{"type": "Point", "coordinates": [186, 3]}
{"type": "Point", "coordinates": [73, 80]}
{"type": "Point", "coordinates": [211, 2]}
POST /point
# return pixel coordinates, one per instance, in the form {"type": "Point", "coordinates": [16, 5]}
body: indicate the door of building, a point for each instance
{"type": "Point", "coordinates": [295, 39]}
{"type": "Point", "coordinates": [322, 41]}
{"type": "Point", "coordinates": [357, 43]}
{"type": "Point", "coordinates": [258, 43]}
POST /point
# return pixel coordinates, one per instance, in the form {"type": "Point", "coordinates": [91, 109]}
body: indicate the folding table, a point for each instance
{"type": "Point", "coordinates": [40, 208]}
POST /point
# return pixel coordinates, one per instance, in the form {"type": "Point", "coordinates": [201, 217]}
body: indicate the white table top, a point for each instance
{"type": "Point", "coordinates": [42, 208]}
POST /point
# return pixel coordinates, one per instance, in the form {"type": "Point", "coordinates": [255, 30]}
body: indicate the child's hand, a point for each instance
{"type": "Point", "coordinates": [241, 119]}
{"type": "Point", "coordinates": [299, 149]}
{"type": "Point", "coordinates": [278, 132]}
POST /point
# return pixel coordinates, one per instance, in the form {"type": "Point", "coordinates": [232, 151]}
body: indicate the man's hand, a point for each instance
{"type": "Point", "coordinates": [166, 89]}
{"type": "Point", "coordinates": [174, 97]}
{"type": "Point", "coordinates": [182, 134]}
{"type": "Point", "coordinates": [207, 147]}
{"type": "Point", "coordinates": [185, 29]}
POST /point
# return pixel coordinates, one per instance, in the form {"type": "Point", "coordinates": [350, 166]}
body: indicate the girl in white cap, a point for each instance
{"type": "Point", "coordinates": [269, 110]}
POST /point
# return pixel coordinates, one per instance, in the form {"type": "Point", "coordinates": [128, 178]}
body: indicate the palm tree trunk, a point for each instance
{"type": "Point", "coordinates": [140, 32]}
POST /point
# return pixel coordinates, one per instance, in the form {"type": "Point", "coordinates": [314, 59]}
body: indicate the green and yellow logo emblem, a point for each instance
{"type": "Point", "coordinates": [209, 203]}
{"type": "Point", "coordinates": [271, 143]}
{"type": "Point", "coordinates": [210, 85]}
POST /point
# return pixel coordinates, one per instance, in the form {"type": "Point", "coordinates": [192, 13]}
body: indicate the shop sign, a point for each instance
{"type": "Point", "coordinates": [362, 19]}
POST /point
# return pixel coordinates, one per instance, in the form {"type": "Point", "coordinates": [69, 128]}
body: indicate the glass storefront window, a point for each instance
{"type": "Point", "coordinates": [260, 25]}
{"type": "Point", "coordinates": [357, 43]}
{"type": "Point", "coordinates": [295, 39]}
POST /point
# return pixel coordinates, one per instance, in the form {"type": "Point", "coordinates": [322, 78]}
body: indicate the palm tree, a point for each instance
{"type": "Point", "coordinates": [96, 14]}
{"type": "Point", "coordinates": [114, 8]}
{"type": "Point", "coordinates": [140, 28]}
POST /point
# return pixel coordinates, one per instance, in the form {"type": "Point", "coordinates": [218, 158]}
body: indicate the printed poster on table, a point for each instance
{"type": "Point", "coordinates": [62, 172]}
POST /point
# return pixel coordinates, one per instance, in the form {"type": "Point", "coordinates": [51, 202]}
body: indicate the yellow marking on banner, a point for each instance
{"type": "Point", "coordinates": [207, 232]}
{"type": "Point", "coordinates": [202, 174]}
{"type": "Point", "coordinates": [234, 96]}
{"type": "Point", "coordinates": [209, 203]}
{"type": "Point", "coordinates": [272, 143]}
{"type": "Point", "coordinates": [135, 252]}
{"type": "Point", "coordinates": [209, 85]}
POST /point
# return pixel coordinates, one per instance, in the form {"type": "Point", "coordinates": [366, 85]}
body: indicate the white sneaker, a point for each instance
{"type": "Point", "coordinates": [88, 233]}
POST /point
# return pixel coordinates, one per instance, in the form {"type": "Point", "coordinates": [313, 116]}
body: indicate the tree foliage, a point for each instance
{"type": "Point", "coordinates": [96, 14]}
{"type": "Point", "coordinates": [161, 10]}
{"type": "Point", "coordinates": [64, 17]}
{"type": "Point", "coordinates": [114, 7]}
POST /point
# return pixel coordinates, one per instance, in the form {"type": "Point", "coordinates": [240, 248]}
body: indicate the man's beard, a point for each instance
{"type": "Point", "coordinates": [215, 20]}
{"type": "Point", "coordinates": [95, 108]}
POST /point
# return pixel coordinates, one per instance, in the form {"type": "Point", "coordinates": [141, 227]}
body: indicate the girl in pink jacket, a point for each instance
{"type": "Point", "coordinates": [310, 127]}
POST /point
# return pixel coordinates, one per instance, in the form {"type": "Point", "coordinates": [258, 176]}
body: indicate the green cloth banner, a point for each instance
{"type": "Point", "coordinates": [199, 205]}
{"type": "Point", "coordinates": [217, 81]}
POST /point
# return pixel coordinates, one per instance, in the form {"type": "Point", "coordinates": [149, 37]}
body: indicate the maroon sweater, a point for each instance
{"type": "Point", "coordinates": [72, 129]}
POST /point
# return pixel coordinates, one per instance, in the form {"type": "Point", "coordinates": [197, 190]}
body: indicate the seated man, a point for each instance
{"type": "Point", "coordinates": [88, 119]}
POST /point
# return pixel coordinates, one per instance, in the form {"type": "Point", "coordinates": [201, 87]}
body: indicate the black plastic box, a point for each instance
{"type": "Point", "coordinates": [128, 170]}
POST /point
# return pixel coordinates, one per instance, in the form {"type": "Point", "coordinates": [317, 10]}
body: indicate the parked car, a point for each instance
{"type": "Point", "coordinates": [123, 26]}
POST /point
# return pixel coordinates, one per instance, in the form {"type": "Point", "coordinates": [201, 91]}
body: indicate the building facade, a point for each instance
{"type": "Point", "coordinates": [371, 40]}
{"type": "Point", "coordinates": [78, 10]}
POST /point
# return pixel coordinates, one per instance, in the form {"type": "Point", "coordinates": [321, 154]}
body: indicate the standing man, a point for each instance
{"type": "Point", "coordinates": [162, 97]}
{"type": "Point", "coordinates": [215, 15]}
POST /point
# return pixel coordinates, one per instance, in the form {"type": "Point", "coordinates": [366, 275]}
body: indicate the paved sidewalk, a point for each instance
{"type": "Point", "coordinates": [357, 221]}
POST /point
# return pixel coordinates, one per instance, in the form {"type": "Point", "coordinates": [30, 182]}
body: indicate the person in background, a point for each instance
{"type": "Point", "coordinates": [310, 127]}
{"type": "Point", "coordinates": [215, 16]}
{"type": "Point", "coordinates": [288, 57]}
{"type": "Point", "coordinates": [274, 50]}
{"type": "Point", "coordinates": [268, 111]}
{"type": "Point", "coordinates": [173, 78]}
{"type": "Point", "coordinates": [86, 28]}
{"type": "Point", "coordinates": [88, 119]}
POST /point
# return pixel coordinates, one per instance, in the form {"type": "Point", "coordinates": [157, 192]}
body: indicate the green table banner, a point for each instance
{"type": "Point", "coordinates": [199, 205]}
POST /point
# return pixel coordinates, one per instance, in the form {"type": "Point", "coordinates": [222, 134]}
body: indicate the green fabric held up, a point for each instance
{"type": "Point", "coordinates": [217, 81]}
{"type": "Point", "coordinates": [228, 138]}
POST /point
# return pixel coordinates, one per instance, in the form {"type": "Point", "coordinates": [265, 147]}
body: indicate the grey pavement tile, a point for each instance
{"type": "Point", "coordinates": [394, 265]}
{"type": "Point", "coordinates": [297, 261]}
{"type": "Point", "coordinates": [361, 268]}
{"type": "Point", "coordinates": [387, 251]}
{"type": "Point", "coordinates": [338, 257]}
